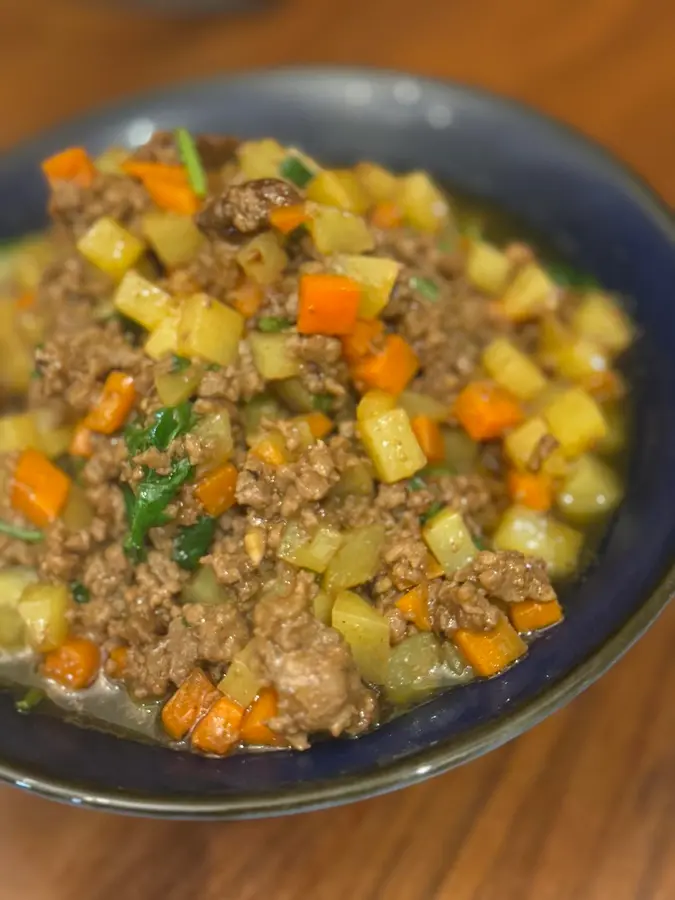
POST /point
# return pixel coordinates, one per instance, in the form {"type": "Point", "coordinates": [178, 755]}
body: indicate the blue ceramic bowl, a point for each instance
{"type": "Point", "coordinates": [588, 207]}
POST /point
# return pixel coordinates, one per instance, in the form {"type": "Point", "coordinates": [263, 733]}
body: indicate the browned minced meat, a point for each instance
{"type": "Point", "coordinates": [244, 209]}
{"type": "Point", "coordinates": [214, 150]}
{"type": "Point", "coordinates": [214, 270]}
{"type": "Point", "coordinates": [545, 447]}
{"type": "Point", "coordinates": [76, 208]}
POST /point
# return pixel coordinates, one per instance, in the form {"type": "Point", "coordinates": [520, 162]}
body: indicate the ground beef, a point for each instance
{"type": "Point", "coordinates": [214, 271]}
{"type": "Point", "coordinates": [214, 150]}
{"type": "Point", "coordinates": [238, 381]}
{"type": "Point", "coordinates": [544, 448]}
{"type": "Point", "coordinates": [324, 369]}
{"type": "Point", "coordinates": [244, 209]}
{"type": "Point", "coordinates": [75, 208]}
{"type": "Point", "coordinates": [310, 666]}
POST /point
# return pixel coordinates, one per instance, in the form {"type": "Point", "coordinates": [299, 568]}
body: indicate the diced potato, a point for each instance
{"type": "Point", "coordinates": [322, 606]}
{"type": "Point", "coordinates": [339, 188]}
{"type": "Point", "coordinates": [12, 629]}
{"type": "Point", "coordinates": [374, 403]}
{"type": "Point", "coordinates": [530, 294]}
{"type": "Point", "coordinates": [379, 183]}
{"type": "Point", "coordinates": [392, 445]}
{"type": "Point", "coordinates": [142, 301]}
{"type": "Point", "coordinates": [336, 231]}
{"type": "Point", "coordinates": [554, 337]}
{"type": "Point", "coordinates": [43, 609]}
{"type": "Point", "coordinates": [110, 161]}
{"type": "Point", "coordinates": [164, 339]}
{"type": "Point", "coordinates": [487, 267]}
{"type": "Point", "coordinates": [521, 444]}
{"type": "Point", "coordinates": [590, 490]}
{"type": "Point", "coordinates": [110, 247]}
{"type": "Point", "coordinates": [54, 437]}
{"type": "Point", "coordinates": [420, 665]}
{"type": "Point", "coordinates": [263, 258]}
{"type": "Point", "coordinates": [357, 480]}
{"type": "Point", "coordinates": [174, 238]}
{"type": "Point", "coordinates": [417, 404]}
{"type": "Point", "coordinates": [600, 319]}
{"type": "Point", "coordinates": [423, 204]}
{"type": "Point", "coordinates": [215, 432]}
{"type": "Point", "coordinates": [307, 551]}
{"type": "Point", "coordinates": [367, 633]}
{"type": "Point", "coordinates": [13, 581]}
{"type": "Point", "coordinates": [18, 432]}
{"type": "Point", "coordinates": [78, 513]}
{"type": "Point", "coordinates": [242, 681]}
{"type": "Point", "coordinates": [203, 587]}
{"type": "Point", "coordinates": [272, 355]}
{"type": "Point", "coordinates": [580, 359]}
{"type": "Point", "coordinates": [376, 275]}
{"type": "Point", "coordinates": [177, 387]}
{"type": "Point", "coordinates": [461, 452]}
{"type": "Point", "coordinates": [261, 407]}
{"type": "Point", "coordinates": [537, 534]}
{"type": "Point", "coordinates": [614, 440]}
{"type": "Point", "coordinates": [294, 395]}
{"type": "Point", "coordinates": [209, 329]}
{"type": "Point", "coordinates": [29, 258]}
{"type": "Point", "coordinates": [261, 159]}
{"type": "Point", "coordinates": [576, 421]}
{"type": "Point", "coordinates": [449, 540]}
{"type": "Point", "coordinates": [16, 364]}
{"type": "Point", "coordinates": [513, 370]}
{"type": "Point", "coordinates": [357, 560]}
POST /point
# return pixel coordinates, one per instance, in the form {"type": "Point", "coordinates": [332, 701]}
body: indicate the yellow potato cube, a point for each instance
{"type": "Point", "coordinates": [513, 370]}
{"type": "Point", "coordinates": [209, 329]}
{"type": "Point", "coordinates": [576, 421]}
{"type": "Point", "coordinates": [530, 294]}
{"type": "Point", "coordinates": [487, 267]}
{"type": "Point", "coordinates": [423, 204]}
{"type": "Point", "coordinates": [601, 319]}
{"type": "Point", "coordinates": [377, 277]}
{"type": "Point", "coordinates": [164, 339]}
{"type": "Point", "coordinates": [335, 231]}
{"type": "Point", "coordinates": [142, 301]}
{"type": "Point", "coordinates": [110, 247]}
{"type": "Point", "coordinates": [392, 445]}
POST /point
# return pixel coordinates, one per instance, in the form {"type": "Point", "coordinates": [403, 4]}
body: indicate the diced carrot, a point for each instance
{"type": "Point", "coordinates": [220, 728]}
{"type": "Point", "coordinates": [114, 404]}
{"type": "Point", "coordinates": [155, 172]}
{"type": "Point", "coordinates": [605, 386]}
{"type": "Point", "coordinates": [429, 437]}
{"type": "Point", "coordinates": [247, 299]}
{"type": "Point", "coordinates": [360, 342]}
{"type": "Point", "coordinates": [254, 728]}
{"type": "Point", "coordinates": [319, 424]}
{"type": "Point", "coordinates": [74, 664]}
{"type": "Point", "coordinates": [271, 450]}
{"type": "Point", "coordinates": [391, 370]}
{"type": "Point", "coordinates": [414, 606]}
{"type": "Point", "coordinates": [81, 441]}
{"type": "Point", "coordinates": [490, 652]}
{"type": "Point", "coordinates": [386, 215]}
{"type": "Point", "coordinates": [178, 198]}
{"type": "Point", "coordinates": [530, 615]}
{"type": "Point", "coordinates": [328, 304]}
{"type": "Point", "coordinates": [39, 488]}
{"type": "Point", "coordinates": [485, 410]}
{"type": "Point", "coordinates": [117, 661]}
{"type": "Point", "coordinates": [216, 490]}
{"type": "Point", "coordinates": [72, 164]}
{"type": "Point", "coordinates": [193, 698]}
{"type": "Point", "coordinates": [287, 218]}
{"type": "Point", "coordinates": [25, 301]}
{"type": "Point", "coordinates": [532, 489]}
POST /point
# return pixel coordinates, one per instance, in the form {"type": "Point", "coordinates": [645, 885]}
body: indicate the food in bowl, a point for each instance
{"type": "Point", "coordinates": [287, 448]}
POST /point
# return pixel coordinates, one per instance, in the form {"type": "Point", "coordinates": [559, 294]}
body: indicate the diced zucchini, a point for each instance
{"type": "Point", "coordinates": [357, 560]}
{"type": "Point", "coordinates": [537, 534]}
{"type": "Point", "coordinates": [263, 258]}
{"type": "Point", "coordinates": [417, 404]}
{"type": "Point", "coordinates": [203, 587]}
{"type": "Point", "coordinates": [530, 294]}
{"type": "Point", "coordinates": [142, 301]}
{"type": "Point", "coordinates": [261, 159]}
{"type": "Point", "coordinates": [590, 490]}
{"type": "Point", "coordinates": [164, 339]}
{"type": "Point", "coordinates": [78, 513]}
{"type": "Point", "coordinates": [215, 433]}
{"type": "Point", "coordinates": [339, 188]}
{"type": "Point", "coordinates": [487, 267]}
{"type": "Point", "coordinates": [261, 407]}
{"type": "Point", "coordinates": [322, 606]}
{"type": "Point", "coordinates": [13, 581]}
{"type": "Point", "coordinates": [420, 665]}
{"type": "Point", "coordinates": [522, 442]}
{"type": "Point", "coordinates": [513, 370]}
{"type": "Point", "coordinates": [18, 432]}
{"type": "Point", "coordinates": [336, 231]}
{"type": "Point", "coordinates": [576, 421]}
{"type": "Point", "coordinates": [242, 681]}
{"type": "Point", "coordinates": [272, 355]}
{"type": "Point", "coordinates": [177, 387]}
{"type": "Point", "coordinates": [423, 204]}
{"type": "Point", "coordinates": [392, 445]}
{"type": "Point", "coordinates": [209, 329]}
{"type": "Point", "coordinates": [174, 238]}
{"type": "Point", "coordinates": [357, 481]}
{"type": "Point", "coordinates": [307, 551]}
{"type": "Point", "coordinates": [600, 319]}
{"type": "Point", "coordinates": [461, 453]}
{"type": "Point", "coordinates": [449, 540]}
{"type": "Point", "coordinates": [43, 610]}
{"type": "Point", "coordinates": [380, 184]}
{"type": "Point", "coordinates": [294, 395]}
{"type": "Point", "coordinates": [110, 247]}
{"type": "Point", "coordinates": [376, 275]}
{"type": "Point", "coordinates": [367, 633]}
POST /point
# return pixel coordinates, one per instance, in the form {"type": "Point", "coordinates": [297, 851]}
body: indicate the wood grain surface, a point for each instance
{"type": "Point", "coordinates": [582, 807]}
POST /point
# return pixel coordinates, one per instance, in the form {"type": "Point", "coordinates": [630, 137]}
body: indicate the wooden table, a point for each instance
{"type": "Point", "coordinates": [582, 807]}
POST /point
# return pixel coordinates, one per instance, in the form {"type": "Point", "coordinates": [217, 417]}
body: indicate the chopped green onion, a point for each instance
{"type": "Point", "coordinates": [30, 700]}
{"type": "Point", "coordinates": [425, 286]}
{"type": "Point", "coordinates": [435, 507]}
{"type": "Point", "coordinates": [480, 543]}
{"type": "Point", "coordinates": [569, 277]}
{"type": "Point", "coordinates": [416, 483]}
{"type": "Point", "coordinates": [322, 402]}
{"type": "Point", "coordinates": [179, 363]}
{"type": "Point", "coordinates": [31, 535]}
{"type": "Point", "coordinates": [80, 592]}
{"type": "Point", "coordinates": [213, 367]}
{"type": "Point", "coordinates": [294, 170]}
{"type": "Point", "coordinates": [187, 149]}
{"type": "Point", "coordinates": [273, 323]}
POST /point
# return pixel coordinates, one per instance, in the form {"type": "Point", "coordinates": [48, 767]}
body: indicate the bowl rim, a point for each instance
{"type": "Point", "coordinates": [446, 754]}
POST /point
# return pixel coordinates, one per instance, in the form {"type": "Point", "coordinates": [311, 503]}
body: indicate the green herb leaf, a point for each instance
{"type": "Point", "coordinates": [416, 483]}
{"type": "Point", "coordinates": [167, 424]}
{"type": "Point", "coordinates": [153, 495]}
{"type": "Point", "coordinates": [179, 363]}
{"type": "Point", "coordinates": [187, 149]}
{"type": "Point", "coordinates": [30, 535]}
{"type": "Point", "coordinates": [193, 542]}
{"type": "Point", "coordinates": [480, 543]}
{"type": "Point", "coordinates": [79, 592]}
{"type": "Point", "coordinates": [435, 507]}
{"type": "Point", "coordinates": [30, 700]}
{"type": "Point", "coordinates": [273, 323]}
{"type": "Point", "coordinates": [322, 402]}
{"type": "Point", "coordinates": [569, 277]}
{"type": "Point", "coordinates": [294, 170]}
{"type": "Point", "coordinates": [425, 286]}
